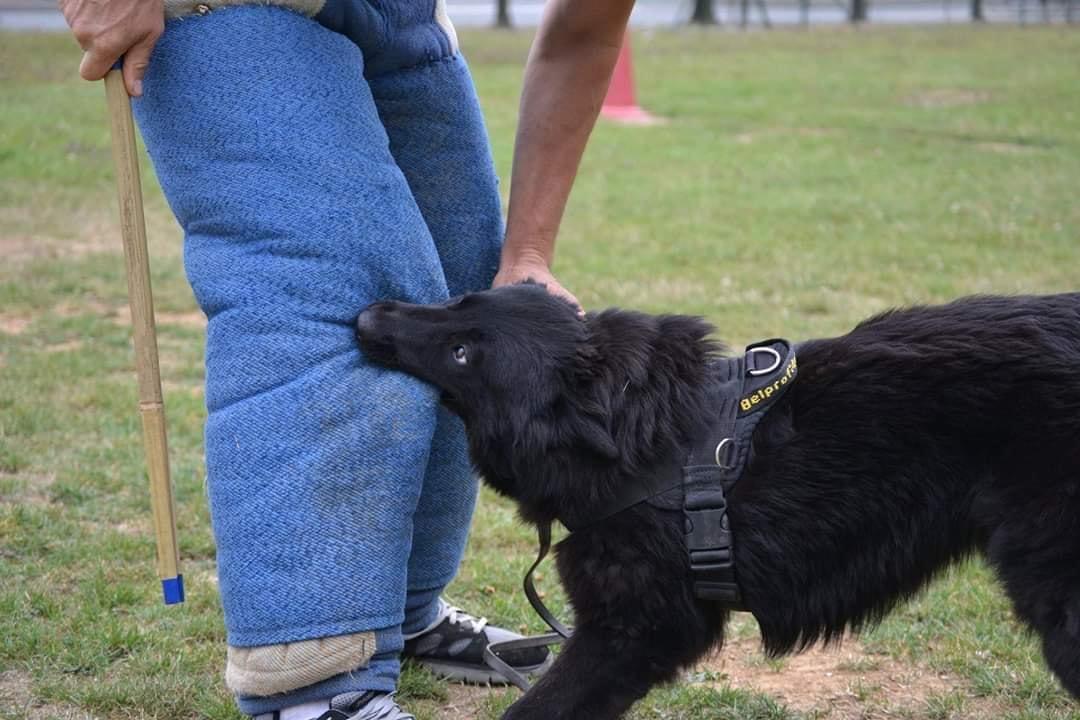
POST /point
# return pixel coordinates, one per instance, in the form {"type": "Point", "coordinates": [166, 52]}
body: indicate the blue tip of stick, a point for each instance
{"type": "Point", "coordinates": [173, 589]}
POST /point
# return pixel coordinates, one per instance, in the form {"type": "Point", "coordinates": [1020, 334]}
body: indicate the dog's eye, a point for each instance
{"type": "Point", "coordinates": [461, 355]}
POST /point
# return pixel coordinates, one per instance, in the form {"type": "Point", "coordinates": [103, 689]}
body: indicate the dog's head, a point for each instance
{"type": "Point", "coordinates": [552, 402]}
{"type": "Point", "coordinates": [492, 354]}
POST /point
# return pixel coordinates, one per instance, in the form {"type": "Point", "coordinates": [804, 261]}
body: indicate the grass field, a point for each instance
{"type": "Point", "coordinates": [803, 180]}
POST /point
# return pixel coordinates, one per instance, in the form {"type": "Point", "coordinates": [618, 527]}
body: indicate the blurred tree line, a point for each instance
{"type": "Point", "coordinates": [703, 12]}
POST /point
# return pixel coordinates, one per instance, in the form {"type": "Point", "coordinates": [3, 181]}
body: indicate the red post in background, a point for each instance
{"type": "Point", "coordinates": [620, 104]}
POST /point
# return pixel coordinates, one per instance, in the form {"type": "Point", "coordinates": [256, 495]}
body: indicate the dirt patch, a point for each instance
{"type": "Point", "coordinates": [84, 232]}
{"type": "Point", "coordinates": [946, 98]}
{"type": "Point", "coordinates": [121, 314]}
{"type": "Point", "coordinates": [192, 388]}
{"type": "Point", "coordinates": [85, 307]}
{"type": "Point", "coordinates": [67, 346]}
{"type": "Point", "coordinates": [842, 683]}
{"type": "Point", "coordinates": [193, 319]}
{"type": "Point", "coordinates": [17, 700]}
{"type": "Point", "coordinates": [14, 324]}
{"type": "Point", "coordinates": [463, 701]}
{"type": "Point", "coordinates": [20, 248]}
{"type": "Point", "coordinates": [17, 323]}
{"type": "Point", "coordinates": [29, 488]}
{"type": "Point", "coordinates": [1006, 148]}
{"type": "Point", "coordinates": [96, 237]}
{"type": "Point", "coordinates": [745, 138]}
{"type": "Point", "coordinates": [203, 576]}
{"type": "Point", "coordinates": [131, 528]}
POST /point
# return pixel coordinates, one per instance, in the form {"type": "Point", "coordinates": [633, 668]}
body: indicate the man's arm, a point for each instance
{"type": "Point", "coordinates": [566, 78]}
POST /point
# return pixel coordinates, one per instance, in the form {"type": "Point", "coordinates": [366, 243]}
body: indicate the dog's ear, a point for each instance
{"type": "Point", "coordinates": [591, 402]}
{"type": "Point", "coordinates": [590, 419]}
{"type": "Point", "coordinates": [587, 365]}
{"type": "Point", "coordinates": [596, 436]}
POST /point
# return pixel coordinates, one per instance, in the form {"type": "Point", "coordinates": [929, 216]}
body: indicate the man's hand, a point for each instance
{"type": "Point", "coordinates": [108, 29]}
{"type": "Point", "coordinates": [537, 271]}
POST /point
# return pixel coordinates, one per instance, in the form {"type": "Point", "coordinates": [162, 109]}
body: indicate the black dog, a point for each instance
{"type": "Point", "coordinates": [920, 437]}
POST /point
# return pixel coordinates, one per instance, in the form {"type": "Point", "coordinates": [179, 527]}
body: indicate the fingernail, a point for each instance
{"type": "Point", "coordinates": [138, 87]}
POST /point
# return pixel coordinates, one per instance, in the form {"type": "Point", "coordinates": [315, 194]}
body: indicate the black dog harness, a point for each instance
{"type": "Point", "coordinates": [744, 388]}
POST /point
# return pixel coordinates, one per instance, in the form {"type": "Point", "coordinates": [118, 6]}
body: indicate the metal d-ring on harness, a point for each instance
{"type": "Point", "coordinates": [744, 388]}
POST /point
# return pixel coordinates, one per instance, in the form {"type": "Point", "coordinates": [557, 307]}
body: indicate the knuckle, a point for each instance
{"type": "Point", "coordinates": [113, 40]}
{"type": "Point", "coordinates": [154, 29]}
{"type": "Point", "coordinates": [83, 35]}
{"type": "Point", "coordinates": [110, 46]}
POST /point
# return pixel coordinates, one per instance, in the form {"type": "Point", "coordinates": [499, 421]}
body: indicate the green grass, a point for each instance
{"type": "Point", "coordinates": [803, 180]}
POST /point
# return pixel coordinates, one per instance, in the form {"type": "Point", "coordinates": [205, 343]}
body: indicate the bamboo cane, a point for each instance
{"type": "Point", "coordinates": [140, 298]}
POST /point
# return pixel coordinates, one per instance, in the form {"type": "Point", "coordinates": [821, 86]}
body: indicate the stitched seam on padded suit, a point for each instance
{"type": "Point", "coordinates": [188, 8]}
{"type": "Point", "coordinates": [418, 66]}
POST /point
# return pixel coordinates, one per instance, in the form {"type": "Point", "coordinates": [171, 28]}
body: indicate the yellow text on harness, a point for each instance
{"type": "Point", "coordinates": [762, 394]}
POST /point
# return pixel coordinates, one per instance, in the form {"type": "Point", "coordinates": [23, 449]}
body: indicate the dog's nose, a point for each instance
{"type": "Point", "coordinates": [368, 318]}
{"type": "Point", "coordinates": [365, 322]}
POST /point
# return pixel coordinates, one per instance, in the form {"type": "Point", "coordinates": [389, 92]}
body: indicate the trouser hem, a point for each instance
{"type": "Point", "coordinates": [281, 636]}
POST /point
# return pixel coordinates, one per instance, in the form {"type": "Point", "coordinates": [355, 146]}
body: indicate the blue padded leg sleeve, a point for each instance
{"type": "Point", "coordinates": [269, 147]}
{"type": "Point", "coordinates": [437, 135]}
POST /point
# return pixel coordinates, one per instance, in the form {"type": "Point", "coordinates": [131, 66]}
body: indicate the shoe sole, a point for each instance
{"type": "Point", "coordinates": [474, 675]}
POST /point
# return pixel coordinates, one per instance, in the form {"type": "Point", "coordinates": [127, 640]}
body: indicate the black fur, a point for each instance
{"type": "Point", "coordinates": [920, 437]}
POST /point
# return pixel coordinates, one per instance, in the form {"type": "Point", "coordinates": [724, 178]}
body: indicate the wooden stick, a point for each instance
{"type": "Point", "coordinates": [151, 405]}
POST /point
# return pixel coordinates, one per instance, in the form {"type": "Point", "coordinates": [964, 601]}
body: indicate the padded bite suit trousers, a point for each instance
{"type": "Point", "coordinates": [315, 166]}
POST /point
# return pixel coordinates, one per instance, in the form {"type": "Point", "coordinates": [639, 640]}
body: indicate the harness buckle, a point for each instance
{"type": "Point", "coordinates": [746, 388]}
{"type": "Point", "coordinates": [712, 559]}
{"type": "Point", "coordinates": [707, 530]}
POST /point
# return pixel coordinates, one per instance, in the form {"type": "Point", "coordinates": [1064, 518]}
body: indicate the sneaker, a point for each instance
{"type": "Point", "coordinates": [365, 706]}
{"type": "Point", "coordinates": [452, 647]}
{"type": "Point", "coordinates": [370, 705]}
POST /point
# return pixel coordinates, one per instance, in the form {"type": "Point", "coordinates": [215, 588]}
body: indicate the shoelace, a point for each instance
{"type": "Point", "coordinates": [379, 707]}
{"type": "Point", "coordinates": [457, 616]}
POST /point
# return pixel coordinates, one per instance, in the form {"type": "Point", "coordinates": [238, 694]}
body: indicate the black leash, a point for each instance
{"type": "Point", "coordinates": [543, 533]}
{"type": "Point", "coordinates": [561, 632]}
